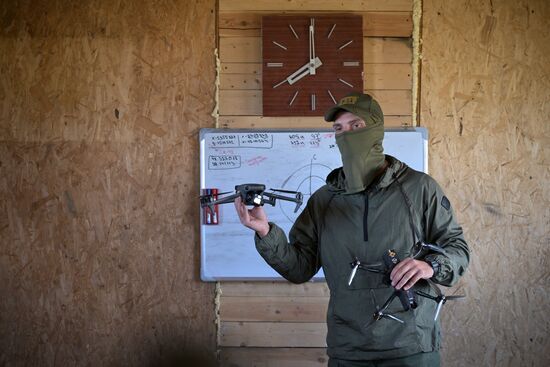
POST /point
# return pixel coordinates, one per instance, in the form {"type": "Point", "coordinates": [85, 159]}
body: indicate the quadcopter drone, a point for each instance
{"type": "Point", "coordinates": [252, 194]}
{"type": "Point", "coordinates": [407, 297]}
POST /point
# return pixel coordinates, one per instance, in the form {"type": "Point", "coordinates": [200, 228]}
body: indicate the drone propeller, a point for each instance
{"type": "Point", "coordinates": [440, 299]}
{"type": "Point", "coordinates": [380, 314]}
{"type": "Point", "coordinates": [357, 264]}
{"type": "Point", "coordinates": [354, 266]}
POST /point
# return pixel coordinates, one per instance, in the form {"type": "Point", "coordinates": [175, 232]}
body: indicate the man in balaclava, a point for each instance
{"type": "Point", "coordinates": [359, 127]}
{"type": "Point", "coordinates": [372, 206]}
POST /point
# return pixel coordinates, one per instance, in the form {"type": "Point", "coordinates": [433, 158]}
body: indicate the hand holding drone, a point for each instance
{"type": "Point", "coordinates": [252, 194]}
{"type": "Point", "coordinates": [407, 297]}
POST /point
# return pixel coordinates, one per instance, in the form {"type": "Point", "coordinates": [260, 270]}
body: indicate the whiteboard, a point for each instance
{"type": "Point", "coordinates": [281, 159]}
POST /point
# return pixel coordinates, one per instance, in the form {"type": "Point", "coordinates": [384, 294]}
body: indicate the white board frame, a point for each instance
{"type": "Point", "coordinates": [249, 266]}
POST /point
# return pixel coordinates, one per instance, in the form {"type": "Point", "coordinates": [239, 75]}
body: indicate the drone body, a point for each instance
{"type": "Point", "coordinates": [251, 194]}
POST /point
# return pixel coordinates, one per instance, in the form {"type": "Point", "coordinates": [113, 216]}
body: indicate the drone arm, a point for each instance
{"type": "Point", "coordinates": [373, 268]}
{"type": "Point", "coordinates": [388, 301]}
{"type": "Point", "coordinates": [426, 295]}
{"type": "Point", "coordinates": [209, 202]}
{"type": "Point", "coordinates": [224, 200]}
{"type": "Point", "coordinates": [268, 199]}
{"type": "Point", "coordinates": [272, 197]}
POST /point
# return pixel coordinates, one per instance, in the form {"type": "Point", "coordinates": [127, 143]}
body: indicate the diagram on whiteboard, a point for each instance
{"type": "Point", "coordinates": [306, 179]}
{"type": "Point", "coordinates": [286, 160]}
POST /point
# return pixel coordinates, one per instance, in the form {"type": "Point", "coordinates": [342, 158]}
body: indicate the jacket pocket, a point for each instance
{"type": "Point", "coordinates": [351, 323]}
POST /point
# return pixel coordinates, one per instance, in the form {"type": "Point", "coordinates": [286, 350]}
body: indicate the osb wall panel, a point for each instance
{"type": "Point", "coordinates": [485, 100]}
{"type": "Point", "coordinates": [101, 102]}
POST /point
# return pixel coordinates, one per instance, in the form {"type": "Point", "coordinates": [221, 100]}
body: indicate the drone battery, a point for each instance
{"type": "Point", "coordinates": [210, 216]}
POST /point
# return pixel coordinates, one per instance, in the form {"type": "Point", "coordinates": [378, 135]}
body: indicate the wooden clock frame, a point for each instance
{"type": "Point", "coordinates": [296, 82]}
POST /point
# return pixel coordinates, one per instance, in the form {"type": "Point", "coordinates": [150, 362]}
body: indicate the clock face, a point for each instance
{"type": "Point", "coordinates": [310, 62]}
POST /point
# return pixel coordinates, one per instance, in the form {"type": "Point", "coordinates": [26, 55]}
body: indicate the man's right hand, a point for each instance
{"type": "Point", "coordinates": [254, 218]}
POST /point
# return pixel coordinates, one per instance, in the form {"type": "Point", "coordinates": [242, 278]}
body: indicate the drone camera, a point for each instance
{"type": "Point", "coordinates": [257, 200]}
{"type": "Point", "coordinates": [251, 194]}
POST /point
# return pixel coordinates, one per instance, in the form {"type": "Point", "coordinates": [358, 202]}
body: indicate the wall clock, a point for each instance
{"type": "Point", "coordinates": [310, 62]}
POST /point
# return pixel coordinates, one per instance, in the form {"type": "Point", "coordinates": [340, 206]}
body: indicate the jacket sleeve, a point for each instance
{"type": "Point", "coordinates": [297, 261]}
{"type": "Point", "coordinates": [442, 229]}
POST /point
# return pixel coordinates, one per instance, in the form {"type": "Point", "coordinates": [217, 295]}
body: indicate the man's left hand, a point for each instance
{"type": "Point", "coordinates": [408, 272]}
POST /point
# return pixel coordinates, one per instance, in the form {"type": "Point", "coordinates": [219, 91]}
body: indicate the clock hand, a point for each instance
{"type": "Point", "coordinates": [303, 71]}
{"type": "Point", "coordinates": [312, 47]}
{"type": "Point", "coordinates": [300, 73]}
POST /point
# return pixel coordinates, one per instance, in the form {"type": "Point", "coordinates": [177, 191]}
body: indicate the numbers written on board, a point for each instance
{"type": "Point", "coordinates": [248, 140]}
{"type": "Point", "coordinates": [305, 140]}
{"type": "Point", "coordinates": [216, 162]}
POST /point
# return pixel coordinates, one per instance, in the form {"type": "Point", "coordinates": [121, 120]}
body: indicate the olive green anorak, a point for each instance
{"type": "Point", "coordinates": [330, 232]}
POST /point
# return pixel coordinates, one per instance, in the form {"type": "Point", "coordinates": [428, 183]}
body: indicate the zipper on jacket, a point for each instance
{"type": "Point", "coordinates": [366, 218]}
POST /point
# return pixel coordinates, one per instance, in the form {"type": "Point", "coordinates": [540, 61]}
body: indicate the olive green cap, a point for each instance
{"type": "Point", "coordinates": [361, 105]}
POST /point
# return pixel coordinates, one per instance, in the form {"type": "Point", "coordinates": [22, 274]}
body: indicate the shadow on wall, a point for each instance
{"type": "Point", "coordinates": [169, 348]}
{"type": "Point", "coordinates": [194, 357]}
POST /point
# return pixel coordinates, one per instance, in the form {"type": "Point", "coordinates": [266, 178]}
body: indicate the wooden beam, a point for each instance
{"type": "Point", "coordinates": [376, 50]}
{"type": "Point", "coordinates": [241, 49]}
{"type": "Point", "coordinates": [271, 289]}
{"type": "Point", "coordinates": [387, 24]}
{"type": "Point", "coordinates": [241, 102]}
{"type": "Point", "coordinates": [241, 68]}
{"type": "Point", "coordinates": [240, 24]}
{"type": "Point", "coordinates": [249, 102]}
{"type": "Point", "coordinates": [273, 334]}
{"type": "Point", "coordinates": [240, 81]}
{"type": "Point", "coordinates": [315, 5]}
{"type": "Point", "coordinates": [288, 309]}
{"type": "Point", "coordinates": [393, 102]}
{"type": "Point", "coordinates": [261, 122]}
{"type": "Point", "coordinates": [388, 76]}
{"type": "Point", "coordinates": [273, 357]}
{"type": "Point", "coordinates": [375, 24]}
{"type": "Point", "coordinates": [377, 76]}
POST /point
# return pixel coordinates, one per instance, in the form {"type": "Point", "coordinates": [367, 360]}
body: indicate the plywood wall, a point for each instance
{"type": "Point", "coordinates": [486, 102]}
{"type": "Point", "coordinates": [101, 102]}
{"type": "Point", "coordinates": [387, 30]}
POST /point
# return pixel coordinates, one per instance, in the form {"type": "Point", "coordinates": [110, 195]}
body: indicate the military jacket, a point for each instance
{"type": "Point", "coordinates": [336, 228]}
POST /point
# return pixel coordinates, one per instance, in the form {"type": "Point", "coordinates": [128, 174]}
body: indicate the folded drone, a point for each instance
{"type": "Point", "coordinates": [407, 297]}
{"type": "Point", "coordinates": [251, 194]}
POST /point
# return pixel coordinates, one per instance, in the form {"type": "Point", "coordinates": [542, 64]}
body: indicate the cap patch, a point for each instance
{"type": "Point", "coordinates": [445, 203]}
{"type": "Point", "coordinates": [348, 100]}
